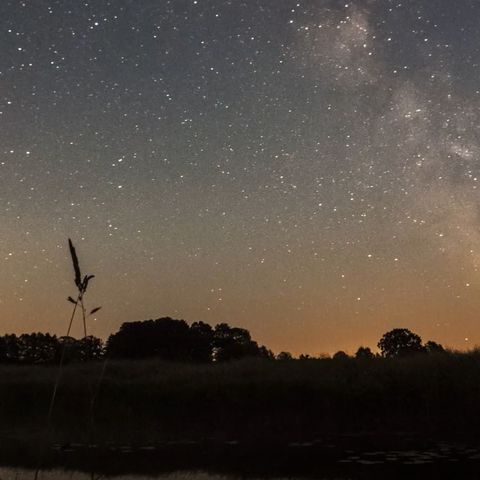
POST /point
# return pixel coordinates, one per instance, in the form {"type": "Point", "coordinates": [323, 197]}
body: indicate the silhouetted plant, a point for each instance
{"type": "Point", "coordinates": [282, 356]}
{"type": "Point", "coordinates": [82, 285]}
{"type": "Point", "coordinates": [340, 355]}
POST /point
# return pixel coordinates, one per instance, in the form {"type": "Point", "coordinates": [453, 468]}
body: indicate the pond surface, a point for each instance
{"type": "Point", "coordinates": [438, 460]}
{"type": "Point", "coordinates": [22, 474]}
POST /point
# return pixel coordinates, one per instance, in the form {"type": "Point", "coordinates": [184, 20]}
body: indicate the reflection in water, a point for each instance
{"type": "Point", "coordinates": [440, 460]}
{"type": "Point", "coordinates": [22, 474]}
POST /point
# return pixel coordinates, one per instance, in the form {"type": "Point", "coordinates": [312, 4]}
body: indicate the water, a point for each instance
{"type": "Point", "coordinates": [22, 474]}
{"type": "Point", "coordinates": [298, 460]}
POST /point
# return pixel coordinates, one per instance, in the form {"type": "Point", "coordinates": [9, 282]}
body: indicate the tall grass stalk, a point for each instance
{"type": "Point", "coordinates": [82, 284]}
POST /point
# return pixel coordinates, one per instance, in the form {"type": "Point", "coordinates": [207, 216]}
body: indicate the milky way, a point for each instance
{"type": "Point", "coordinates": [307, 170]}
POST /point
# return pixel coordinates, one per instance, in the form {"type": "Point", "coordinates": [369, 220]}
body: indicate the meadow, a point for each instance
{"type": "Point", "coordinates": [251, 400]}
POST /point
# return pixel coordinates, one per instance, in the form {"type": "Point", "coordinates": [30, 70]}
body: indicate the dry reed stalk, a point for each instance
{"type": "Point", "coordinates": [82, 285]}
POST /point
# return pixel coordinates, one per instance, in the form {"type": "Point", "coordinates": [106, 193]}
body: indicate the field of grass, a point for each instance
{"type": "Point", "coordinates": [299, 400]}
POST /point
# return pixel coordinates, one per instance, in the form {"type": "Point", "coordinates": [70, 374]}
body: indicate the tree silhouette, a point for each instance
{"type": "Point", "coordinates": [400, 342]}
{"type": "Point", "coordinates": [43, 348]}
{"type": "Point", "coordinates": [265, 352]}
{"type": "Point", "coordinates": [174, 340]}
{"type": "Point", "coordinates": [284, 356]}
{"type": "Point", "coordinates": [364, 352]}
{"type": "Point", "coordinates": [90, 348]}
{"type": "Point", "coordinates": [69, 347]}
{"type": "Point", "coordinates": [434, 347]}
{"type": "Point", "coordinates": [164, 338]}
{"type": "Point", "coordinates": [9, 349]}
{"type": "Point", "coordinates": [36, 348]}
{"type": "Point", "coordinates": [201, 342]}
{"type": "Point", "coordinates": [232, 343]}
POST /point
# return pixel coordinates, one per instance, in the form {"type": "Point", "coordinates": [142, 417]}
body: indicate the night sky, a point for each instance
{"type": "Point", "coordinates": [304, 169]}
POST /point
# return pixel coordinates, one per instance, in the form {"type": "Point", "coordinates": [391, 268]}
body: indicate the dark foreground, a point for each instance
{"type": "Point", "coordinates": [345, 418]}
{"type": "Point", "coordinates": [347, 458]}
{"type": "Point", "coordinates": [252, 401]}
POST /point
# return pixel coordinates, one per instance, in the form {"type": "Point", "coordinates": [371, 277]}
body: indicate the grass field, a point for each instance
{"type": "Point", "coordinates": [147, 401]}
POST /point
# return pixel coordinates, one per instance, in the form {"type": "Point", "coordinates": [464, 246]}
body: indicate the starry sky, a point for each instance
{"type": "Point", "coordinates": [304, 169]}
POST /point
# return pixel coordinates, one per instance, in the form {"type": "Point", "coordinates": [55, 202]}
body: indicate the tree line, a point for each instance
{"type": "Point", "coordinates": [43, 348]}
{"type": "Point", "coordinates": [165, 338]}
{"type": "Point", "coordinates": [177, 341]}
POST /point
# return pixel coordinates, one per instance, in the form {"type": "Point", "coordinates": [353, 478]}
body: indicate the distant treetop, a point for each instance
{"type": "Point", "coordinates": [401, 342]}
